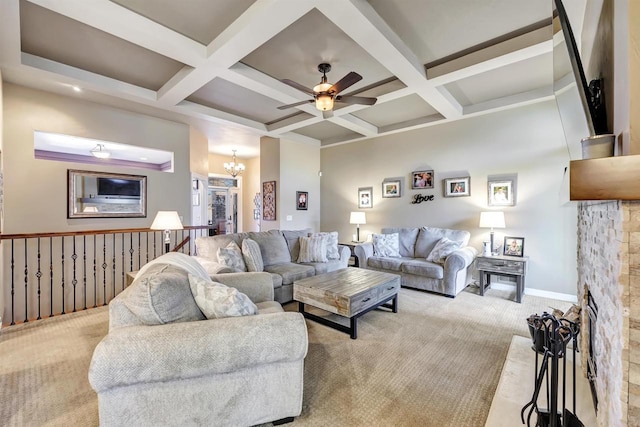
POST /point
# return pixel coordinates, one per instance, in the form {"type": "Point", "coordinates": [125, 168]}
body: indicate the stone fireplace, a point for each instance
{"type": "Point", "coordinates": [609, 270]}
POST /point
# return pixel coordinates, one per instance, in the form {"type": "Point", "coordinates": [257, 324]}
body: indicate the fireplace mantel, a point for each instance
{"type": "Point", "coordinates": [608, 178]}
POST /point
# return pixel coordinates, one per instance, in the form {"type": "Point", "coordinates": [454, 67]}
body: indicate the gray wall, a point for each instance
{"type": "Point", "coordinates": [528, 141]}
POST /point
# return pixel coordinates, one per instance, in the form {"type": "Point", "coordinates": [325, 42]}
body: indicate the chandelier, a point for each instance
{"type": "Point", "coordinates": [234, 168]}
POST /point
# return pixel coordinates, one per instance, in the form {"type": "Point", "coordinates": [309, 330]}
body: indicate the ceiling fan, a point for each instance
{"type": "Point", "coordinates": [325, 94]}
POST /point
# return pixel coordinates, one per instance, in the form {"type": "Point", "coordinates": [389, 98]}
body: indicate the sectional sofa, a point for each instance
{"type": "Point", "coordinates": [448, 276]}
{"type": "Point", "coordinates": [279, 250]}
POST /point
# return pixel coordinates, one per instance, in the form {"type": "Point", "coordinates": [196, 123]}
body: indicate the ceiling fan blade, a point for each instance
{"type": "Point", "coordinates": [356, 100]}
{"type": "Point", "coordinates": [295, 104]}
{"type": "Point", "coordinates": [327, 114]}
{"type": "Point", "coordinates": [345, 82]}
{"type": "Point", "coordinates": [298, 86]}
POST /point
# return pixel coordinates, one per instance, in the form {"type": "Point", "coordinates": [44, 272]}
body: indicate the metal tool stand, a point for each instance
{"type": "Point", "coordinates": [550, 338]}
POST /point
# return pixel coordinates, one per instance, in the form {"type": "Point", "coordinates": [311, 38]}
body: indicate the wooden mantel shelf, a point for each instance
{"type": "Point", "coordinates": [607, 178]}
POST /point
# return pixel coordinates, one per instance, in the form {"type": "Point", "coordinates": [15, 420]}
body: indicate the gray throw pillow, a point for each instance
{"type": "Point", "coordinates": [252, 256]}
{"type": "Point", "coordinates": [231, 256]}
{"type": "Point", "coordinates": [217, 301]}
{"type": "Point", "coordinates": [386, 245]}
{"type": "Point", "coordinates": [332, 243]}
{"type": "Point", "coordinates": [313, 249]}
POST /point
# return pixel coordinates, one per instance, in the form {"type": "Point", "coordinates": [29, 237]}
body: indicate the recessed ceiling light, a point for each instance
{"type": "Point", "coordinates": [143, 158]}
{"type": "Point", "coordinates": [76, 89]}
{"type": "Point", "coordinates": [100, 152]}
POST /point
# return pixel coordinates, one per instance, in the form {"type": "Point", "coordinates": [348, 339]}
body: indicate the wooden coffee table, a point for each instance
{"type": "Point", "coordinates": [350, 292]}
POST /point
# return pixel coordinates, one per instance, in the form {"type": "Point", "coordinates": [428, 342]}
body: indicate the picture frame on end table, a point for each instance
{"type": "Point", "coordinates": [391, 189]}
{"type": "Point", "coordinates": [365, 197]}
{"type": "Point", "coordinates": [457, 187]}
{"type": "Point", "coordinates": [302, 200]}
{"type": "Point", "coordinates": [422, 179]}
{"type": "Point", "coordinates": [513, 246]}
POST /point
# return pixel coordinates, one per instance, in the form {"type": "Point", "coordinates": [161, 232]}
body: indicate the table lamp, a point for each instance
{"type": "Point", "coordinates": [167, 221]}
{"type": "Point", "coordinates": [492, 220]}
{"type": "Point", "coordinates": [358, 218]}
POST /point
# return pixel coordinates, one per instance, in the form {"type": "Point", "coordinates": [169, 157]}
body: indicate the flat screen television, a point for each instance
{"type": "Point", "coordinates": [591, 96]}
{"type": "Point", "coordinates": [116, 187]}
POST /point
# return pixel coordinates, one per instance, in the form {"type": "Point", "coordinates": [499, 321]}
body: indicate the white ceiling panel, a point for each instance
{"type": "Point", "coordinates": [326, 130]}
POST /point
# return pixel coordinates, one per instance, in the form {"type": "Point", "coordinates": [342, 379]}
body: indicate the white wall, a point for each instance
{"type": "Point", "coordinates": [36, 197]}
{"type": "Point", "coordinates": [300, 164]}
{"type": "Point", "coordinates": [1, 193]}
{"type": "Point", "coordinates": [528, 141]}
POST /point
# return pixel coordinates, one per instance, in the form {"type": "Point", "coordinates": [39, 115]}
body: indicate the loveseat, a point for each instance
{"type": "Point", "coordinates": [163, 363]}
{"type": "Point", "coordinates": [447, 275]}
{"type": "Point", "coordinates": [279, 251]}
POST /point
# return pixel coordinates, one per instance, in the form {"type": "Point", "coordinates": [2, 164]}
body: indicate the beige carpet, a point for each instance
{"type": "Point", "coordinates": [435, 363]}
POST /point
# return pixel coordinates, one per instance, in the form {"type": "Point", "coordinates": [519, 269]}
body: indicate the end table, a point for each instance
{"type": "Point", "coordinates": [502, 265]}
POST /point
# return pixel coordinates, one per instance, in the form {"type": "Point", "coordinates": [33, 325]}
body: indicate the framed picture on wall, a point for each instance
{"type": "Point", "coordinates": [302, 198]}
{"type": "Point", "coordinates": [513, 246]}
{"type": "Point", "coordinates": [501, 192]}
{"type": "Point", "coordinates": [365, 197]}
{"type": "Point", "coordinates": [269, 201]}
{"type": "Point", "coordinates": [457, 187]}
{"type": "Point", "coordinates": [422, 179]}
{"type": "Point", "coordinates": [391, 189]}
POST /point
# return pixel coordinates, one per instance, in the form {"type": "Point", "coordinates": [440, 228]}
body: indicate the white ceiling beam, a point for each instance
{"type": "Point", "coordinates": [292, 123]}
{"type": "Point", "coordinates": [355, 124]}
{"type": "Point", "coordinates": [128, 25]}
{"type": "Point", "coordinates": [509, 102]}
{"type": "Point", "coordinates": [296, 137]}
{"type": "Point", "coordinates": [87, 79]}
{"type": "Point", "coordinates": [493, 63]}
{"type": "Point", "coordinates": [202, 111]}
{"type": "Point", "coordinates": [359, 20]}
{"type": "Point", "coordinates": [259, 23]}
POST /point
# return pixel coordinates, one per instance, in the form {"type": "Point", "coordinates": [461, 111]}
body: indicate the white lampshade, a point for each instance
{"type": "Point", "coordinates": [358, 218]}
{"type": "Point", "coordinates": [492, 220]}
{"type": "Point", "coordinates": [167, 220]}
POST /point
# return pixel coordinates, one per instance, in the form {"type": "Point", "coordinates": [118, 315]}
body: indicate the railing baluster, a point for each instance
{"type": "Point", "coordinates": [114, 265]}
{"type": "Point", "coordinates": [139, 251]}
{"type": "Point", "coordinates": [62, 271]}
{"type": "Point", "coordinates": [131, 251]}
{"type": "Point", "coordinates": [39, 276]}
{"type": "Point", "coordinates": [51, 276]}
{"type": "Point", "coordinates": [74, 281]}
{"type": "Point", "coordinates": [84, 271]}
{"type": "Point", "coordinates": [146, 238]}
{"type": "Point", "coordinates": [154, 245]}
{"type": "Point", "coordinates": [95, 272]}
{"type": "Point", "coordinates": [26, 283]}
{"type": "Point", "coordinates": [123, 274]}
{"type": "Point", "coordinates": [104, 269]}
{"type": "Point", "coordinates": [13, 286]}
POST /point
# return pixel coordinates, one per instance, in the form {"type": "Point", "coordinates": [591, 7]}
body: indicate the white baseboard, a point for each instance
{"type": "Point", "coordinates": [537, 292]}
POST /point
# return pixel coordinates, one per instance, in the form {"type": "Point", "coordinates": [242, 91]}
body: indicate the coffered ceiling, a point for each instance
{"type": "Point", "coordinates": [219, 64]}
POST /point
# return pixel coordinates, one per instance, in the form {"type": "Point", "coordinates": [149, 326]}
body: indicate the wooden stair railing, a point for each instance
{"type": "Point", "coordinates": [62, 272]}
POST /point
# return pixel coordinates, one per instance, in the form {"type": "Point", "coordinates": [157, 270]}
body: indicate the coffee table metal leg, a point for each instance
{"type": "Point", "coordinates": [354, 327]}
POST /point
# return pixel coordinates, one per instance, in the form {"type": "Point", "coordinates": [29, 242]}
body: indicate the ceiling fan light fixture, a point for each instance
{"type": "Point", "coordinates": [100, 152]}
{"type": "Point", "coordinates": [324, 102]}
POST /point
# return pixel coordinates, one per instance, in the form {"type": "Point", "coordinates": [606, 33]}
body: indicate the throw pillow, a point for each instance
{"type": "Point", "coordinates": [442, 249]}
{"type": "Point", "coordinates": [332, 243]}
{"type": "Point", "coordinates": [217, 301]}
{"type": "Point", "coordinates": [252, 256]}
{"type": "Point", "coordinates": [387, 245]}
{"type": "Point", "coordinates": [231, 256]}
{"type": "Point", "coordinates": [313, 249]}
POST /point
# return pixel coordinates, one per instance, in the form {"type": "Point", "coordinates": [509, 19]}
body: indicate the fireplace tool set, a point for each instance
{"type": "Point", "coordinates": [550, 338]}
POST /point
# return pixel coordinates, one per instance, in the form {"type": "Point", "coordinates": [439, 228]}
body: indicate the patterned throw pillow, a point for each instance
{"type": "Point", "coordinates": [217, 301]}
{"type": "Point", "coordinates": [313, 249]}
{"type": "Point", "coordinates": [252, 255]}
{"type": "Point", "coordinates": [386, 245]}
{"type": "Point", "coordinates": [442, 249]}
{"type": "Point", "coordinates": [332, 243]}
{"type": "Point", "coordinates": [231, 256]}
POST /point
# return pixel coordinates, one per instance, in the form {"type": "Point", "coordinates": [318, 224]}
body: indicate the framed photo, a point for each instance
{"type": "Point", "coordinates": [302, 198]}
{"type": "Point", "coordinates": [269, 201]}
{"type": "Point", "coordinates": [256, 214]}
{"type": "Point", "coordinates": [422, 179]}
{"type": "Point", "coordinates": [513, 246]}
{"type": "Point", "coordinates": [365, 197]}
{"type": "Point", "coordinates": [501, 193]}
{"type": "Point", "coordinates": [391, 189]}
{"type": "Point", "coordinates": [457, 187]}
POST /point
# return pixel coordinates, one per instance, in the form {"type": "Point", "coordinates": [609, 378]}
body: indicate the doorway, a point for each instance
{"type": "Point", "coordinates": [223, 205]}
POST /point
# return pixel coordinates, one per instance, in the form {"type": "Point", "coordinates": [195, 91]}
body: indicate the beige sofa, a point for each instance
{"type": "Point", "coordinates": [415, 244]}
{"type": "Point", "coordinates": [279, 250]}
{"type": "Point", "coordinates": [162, 363]}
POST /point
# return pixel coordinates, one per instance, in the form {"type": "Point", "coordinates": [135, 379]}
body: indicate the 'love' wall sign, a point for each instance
{"type": "Point", "coordinates": [419, 198]}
